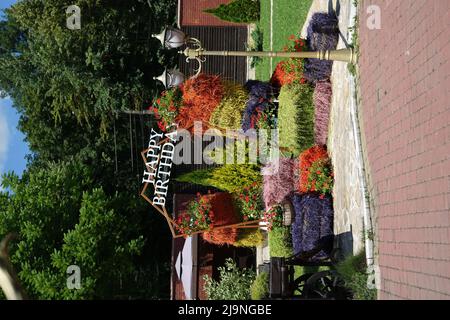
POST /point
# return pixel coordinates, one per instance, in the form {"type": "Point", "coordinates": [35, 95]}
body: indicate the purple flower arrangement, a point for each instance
{"type": "Point", "coordinates": [323, 34]}
{"type": "Point", "coordinates": [313, 225]}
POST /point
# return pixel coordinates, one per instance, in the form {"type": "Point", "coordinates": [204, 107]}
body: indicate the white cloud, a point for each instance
{"type": "Point", "coordinates": [4, 138]}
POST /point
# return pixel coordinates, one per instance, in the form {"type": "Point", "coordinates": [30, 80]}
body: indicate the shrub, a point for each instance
{"type": "Point", "coordinates": [280, 242]}
{"type": "Point", "coordinates": [290, 71]}
{"type": "Point", "coordinates": [228, 114]}
{"type": "Point", "coordinates": [353, 271]}
{"type": "Point", "coordinates": [238, 11]}
{"type": "Point", "coordinates": [221, 237]}
{"type": "Point", "coordinates": [296, 118]}
{"type": "Point", "coordinates": [249, 238]}
{"type": "Point", "coordinates": [240, 149]}
{"type": "Point", "coordinates": [230, 177]}
{"type": "Point", "coordinates": [260, 287]}
{"type": "Point", "coordinates": [201, 95]}
{"type": "Point", "coordinates": [306, 160]}
{"type": "Point", "coordinates": [322, 35]}
{"type": "Point", "coordinates": [165, 108]}
{"type": "Point", "coordinates": [278, 181]}
{"type": "Point", "coordinates": [257, 45]}
{"type": "Point", "coordinates": [322, 105]}
{"type": "Point", "coordinates": [234, 283]}
{"type": "Point", "coordinates": [313, 225]}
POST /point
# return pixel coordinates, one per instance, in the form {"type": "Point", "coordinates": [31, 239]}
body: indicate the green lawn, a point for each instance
{"type": "Point", "coordinates": [288, 18]}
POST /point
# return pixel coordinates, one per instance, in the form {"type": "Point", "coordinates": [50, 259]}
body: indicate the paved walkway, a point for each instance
{"type": "Point", "coordinates": [405, 69]}
{"type": "Point", "coordinates": [342, 143]}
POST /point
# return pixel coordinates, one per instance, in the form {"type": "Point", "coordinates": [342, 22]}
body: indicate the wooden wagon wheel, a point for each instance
{"type": "Point", "coordinates": [300, 283]}
{"type": "Point", "coordinates": [326, 285]}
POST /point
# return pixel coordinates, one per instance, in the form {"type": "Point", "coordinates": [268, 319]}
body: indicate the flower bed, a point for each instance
{"type": "Point", "coordinates": [278, 181]}
{"type": "Point", "coordinates": [290, 71]}
{"type": "Point", "coordinates": [315, 171]}
{"type": "Point", "coordinates": [201, 95]}
{"type": "Point", "coordinates": [228, 114]}
{"type": "Point", "coordinates": [296, 118]}
{"type": "Point", "coordinates": [322, 35]}
{"type": "Point", "coordinates": [313, 225]}
{"type": "Point", "coordinates": [322, 104]}
{"type": "Point", "coordinates": [260, 111]}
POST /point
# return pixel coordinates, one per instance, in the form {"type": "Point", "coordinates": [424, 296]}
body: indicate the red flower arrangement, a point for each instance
{"type": "Point", "coordinates": [199, 216]}
{"type": "Point", "coordinates": [306, 160]}
{"type": "Point", "coordinates": [250, 202]}
{"type": "Point", "coordinates": [320, 177]}
{"type": "Point", "coordinates": [291, 70]}
{"type": "Point", "coordinates": [201, 95]}
{"type": "Point", "coordinates": [165, 108]}
{"type": "Point", "coordinates": [274, 217]}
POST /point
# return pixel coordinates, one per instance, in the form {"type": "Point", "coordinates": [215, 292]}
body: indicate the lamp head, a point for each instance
{"type": "Point", "coordinates": [171, 38]}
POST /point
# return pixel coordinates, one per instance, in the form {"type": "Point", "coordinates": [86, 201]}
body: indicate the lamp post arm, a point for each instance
{"type": "Point", "coordinates": [345, 55]}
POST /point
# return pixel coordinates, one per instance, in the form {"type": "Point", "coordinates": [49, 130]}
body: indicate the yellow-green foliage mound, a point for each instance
{"type": "Point", "coordinates": [228, 114]}
{"type": "Point", "coordinates": [296, 118]}
{"type": "Point", "coordinates": [249, 238]}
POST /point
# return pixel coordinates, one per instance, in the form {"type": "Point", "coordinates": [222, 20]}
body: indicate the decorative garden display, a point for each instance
{"type": "Point", "coordinates": [312, 230]}
{"type": "Point", "coordinates": [322, 105]}
{"type": "Point", "coordinates": [296, 118]}
{"type": "Point", "coordinates": [323, 34]}
{"type": "Point", "coordinates": [279, 181]}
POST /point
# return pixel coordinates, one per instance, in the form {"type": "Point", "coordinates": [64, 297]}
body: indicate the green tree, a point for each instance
{"type": "Point", "coordinates": [240, 11]}
{"type": "Point", "coordinates": [107, 65]}
{"type": "Point", "coordinates": [63, 220]}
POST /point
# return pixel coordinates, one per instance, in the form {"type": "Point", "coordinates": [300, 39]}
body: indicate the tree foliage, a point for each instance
{"type": "Point", "coordinates": [239, 11]}
{"type": "Point", "coordinates": [77, 201]}
{"type": "Point", "coordinates": [234, 283]}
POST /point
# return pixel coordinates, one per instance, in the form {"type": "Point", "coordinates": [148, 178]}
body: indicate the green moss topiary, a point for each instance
{"type": "Point", "coordinates": [260, 287]}
{"type": "Point", "coordinates": [239, 11]}
{"type": "Point", "coordinates": [296, 118]}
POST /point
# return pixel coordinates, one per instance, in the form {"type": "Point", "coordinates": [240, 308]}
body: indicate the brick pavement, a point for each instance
{"type": "Point", "coordinates": [405, 107]}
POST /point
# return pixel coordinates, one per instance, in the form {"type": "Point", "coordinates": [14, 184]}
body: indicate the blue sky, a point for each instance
{"type": "Point", "coordinates": [13, 149]}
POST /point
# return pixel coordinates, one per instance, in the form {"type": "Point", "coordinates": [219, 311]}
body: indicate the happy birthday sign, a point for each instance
{"type": "Point", "coordinates": [158, 163]}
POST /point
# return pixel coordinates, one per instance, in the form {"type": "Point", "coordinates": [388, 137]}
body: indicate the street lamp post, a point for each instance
{"type": "Point", "coordinates": [173, 38]}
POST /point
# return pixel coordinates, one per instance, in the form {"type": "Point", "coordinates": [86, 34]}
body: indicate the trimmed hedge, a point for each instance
{"type": "Point", "coordinates": [322, 35]}
{"type": "Point", "coordinates": [296, 118]}
{"type": "Point", "coordinates": [238, 11]}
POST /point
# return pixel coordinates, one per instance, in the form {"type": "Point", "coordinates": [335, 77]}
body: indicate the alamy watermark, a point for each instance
{"type": "Point", "coordinates": [73, 21]}
{"type": "Point", "coordinates": [74, 277]}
